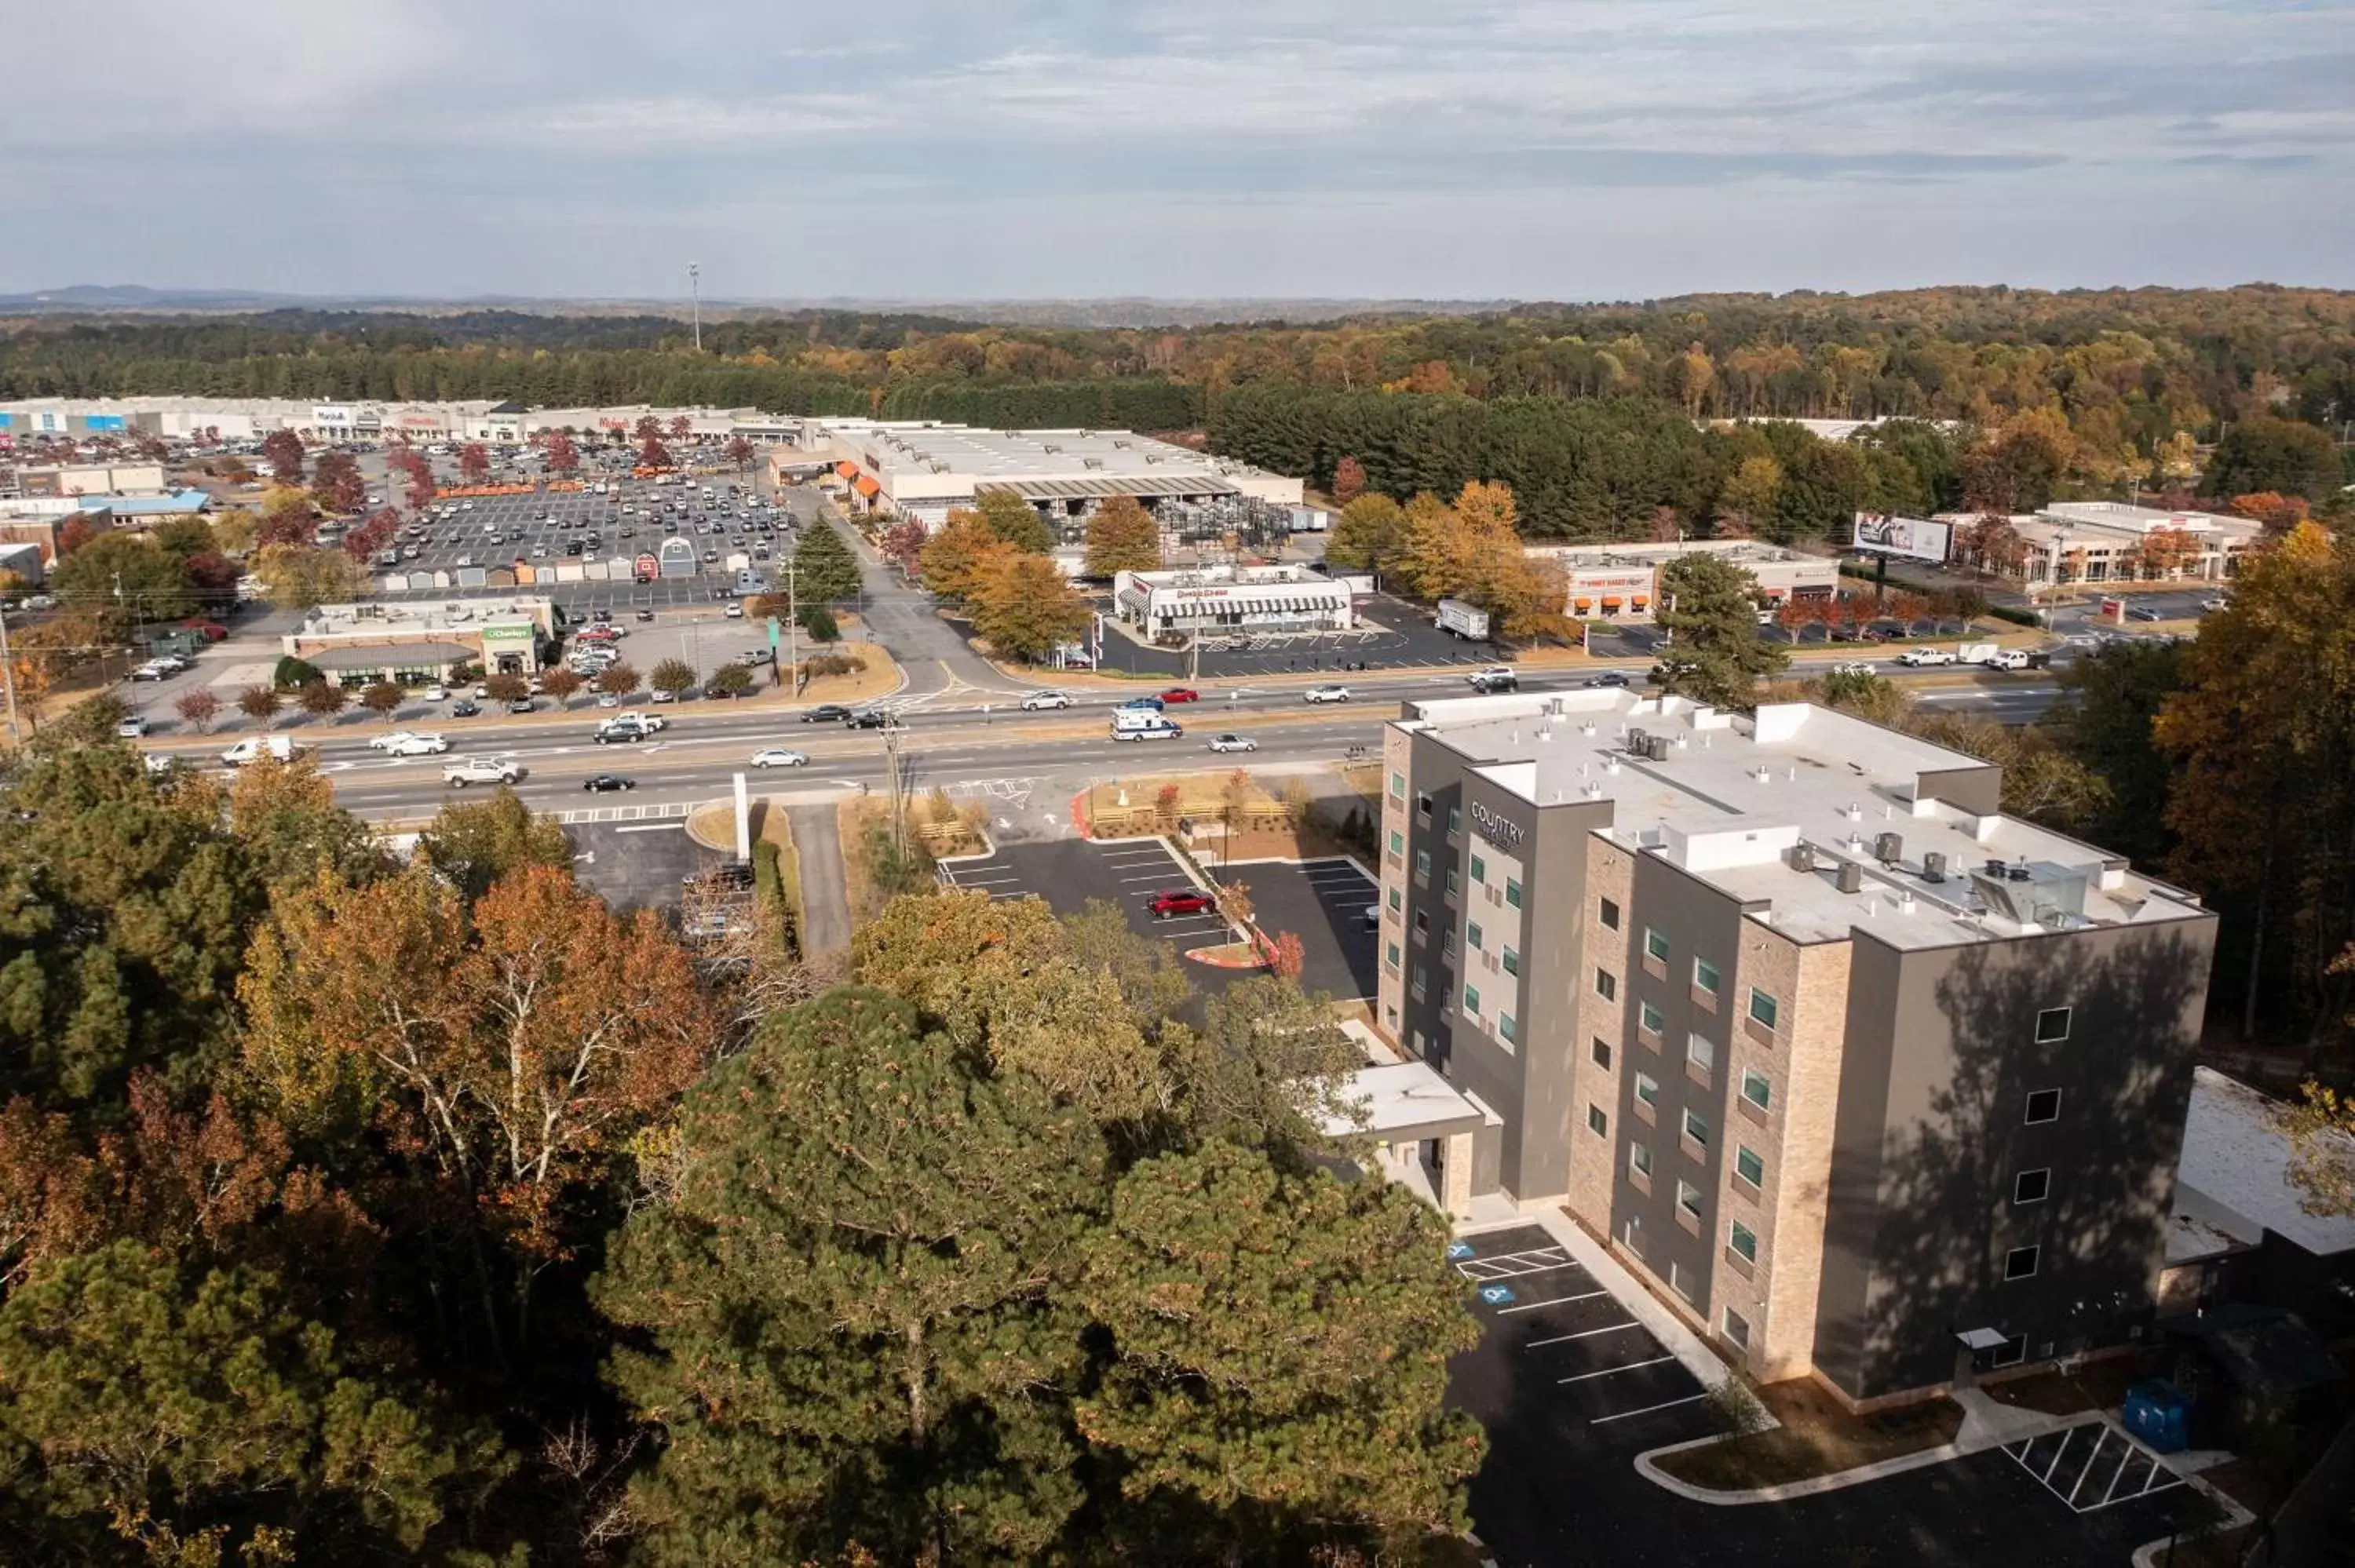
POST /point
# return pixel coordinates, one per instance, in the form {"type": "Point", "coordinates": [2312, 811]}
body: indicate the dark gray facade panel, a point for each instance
{"type": "Point", "coordinates": [1978, 790]}
{"type": "Point", "coordinates": [1944, 1053]}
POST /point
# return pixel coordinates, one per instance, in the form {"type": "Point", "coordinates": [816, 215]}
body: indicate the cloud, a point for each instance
{"type": "Point", "coordinates": [442, 146]}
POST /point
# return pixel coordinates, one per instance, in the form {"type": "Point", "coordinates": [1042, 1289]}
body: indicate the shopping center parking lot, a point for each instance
{"type": "Point", "coordinates": [1402, 637]}
{"type": "Point", "coordinates": [1324, 903]}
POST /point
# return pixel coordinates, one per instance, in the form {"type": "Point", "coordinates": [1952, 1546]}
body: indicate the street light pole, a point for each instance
{"type": "Point", "coordinates": [8, 679]}
{"type": "Point", "coordinates": [694, 288]}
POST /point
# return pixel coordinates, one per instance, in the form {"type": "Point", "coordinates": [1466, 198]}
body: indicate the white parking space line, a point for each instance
{"type": "Point", "coordinates": [1613, 1372]}
{"type": "Point", "coordinates": [1583, 1334]}
{"type": "Point", "coordinates": [654, 827]}
{"type": "Point", "coordinates": [1514, 1273]}
{"type": "Point", "coordinates": [1646, 1410]}
{"type": "Point", "coordinates": [1555, 1301]}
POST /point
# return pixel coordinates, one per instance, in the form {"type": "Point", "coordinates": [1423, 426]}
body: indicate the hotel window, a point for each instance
{"type": "Point", "coordinates": [1597, 1122]}
{"type": "Point", "coordinates": [1697, 1128]}
{"type": "Point", "coordinates": [1394, 955]}
{"type": "Point", "coordinates": [1647, 1089]}
{"type": "Point", "coordinates": [1512, 893]}
{"type": "Point", "coordinates": [1688, 1198]}
{"type": "Point", "coordinates": [2020, 1263]}
{"type": "Point", "coordinates": [1701, 1052]}
{"type": "Point", "coordinates": [1422, 868]}
{"type": "Point", "coordinates": [1763, 1007]}
{"type": "Point", "coordinates": [1749, 1166]}
{"type": "Point", "coordinates": [2053, 1026]}
{"type": "Point", "coordinates": [1608, 913]}
{"type": "Point", "coordinates": [1418, 985]}
{"type": "Point", "coordinates": [1397, 899]}
{"type": "Point", "coordinates": [1601, 1051]}
{"type": "Point", "coordinates": [1398, 785]}
{"type": "Point", "coordinates": [1639, 1160]}
{"type": "Point", "coordinates": [1448, 945]}
{"type": "Point", "coordinates": [1737, 1328]}
{"type": "Point", "coordinates": [1452, 884]}
{"type": "Point", "coordinates": [1755, 1088]}
{"type": "Point", "coordinates": [1472, 999]}
{"type": "Point", "coordinates": [1606, 984]}
{"type": "Point", "coordinates": [1480, 869]}
{"type": "Point", "coordinates": [1705, 976]}
{"type": "Point", "coordinates": [1398, 841]}
{"type": "Point", "coordinates": [1650, 1018]}
{"type": "Point", "coordinates": [1454, 822]}
{"type": "Point", "coordinates": [1423, 807]}
{"type": "Point", "coordinates": [1743, 1241]}
{"type": "Point", "coordinates": [1505, 1027]}
{"type": "Point", "coordinates": [2031, 1186]}
{"type": "Point", "coordinates": [2044, 1106]}
{"type": "Point", "coordinates": [1655, 944]}
{"type": "Point", "coordinates": [1472, 934]}
{"type": "Point", "coordinates": [1512, 962]}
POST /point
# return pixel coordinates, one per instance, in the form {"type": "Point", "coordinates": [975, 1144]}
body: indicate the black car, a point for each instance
{"type": "Point", "coordinates": [827, 713]}
{"type": "Point", "coordinates": [597, 783]}
{"type": "Point", "coordinates": [464, 707]}
{"type": "Point", "coordinates": [1608, 678]}
{"type": "Point", "coordinates": [865, 718]}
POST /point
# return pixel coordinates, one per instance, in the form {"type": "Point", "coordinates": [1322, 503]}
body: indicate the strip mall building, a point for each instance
{"type": "Point", "coordinates": [1621, 582]}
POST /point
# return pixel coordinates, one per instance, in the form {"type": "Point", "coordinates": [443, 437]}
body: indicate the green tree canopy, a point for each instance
{"type": "Point", "coordinates": [475, 843]}
{"type": "Point", "coordinates": [124, 582]}
{"type": "Point", "coordinates": [1710, 608]}
{"type": "Point", "coordinates": [1014, 520]}
{"type": "Point", "coordinates": [824, 570]}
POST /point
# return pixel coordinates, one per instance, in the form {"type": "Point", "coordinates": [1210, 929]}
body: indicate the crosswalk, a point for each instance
{"type": "Point", "coordinates": [626, 813]}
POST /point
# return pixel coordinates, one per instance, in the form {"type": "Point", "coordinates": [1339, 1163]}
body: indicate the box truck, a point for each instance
{"type": "Point", "coordinates": [1466, 620]}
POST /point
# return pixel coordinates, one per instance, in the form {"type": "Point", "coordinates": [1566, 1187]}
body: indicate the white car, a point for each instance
{"type": "Point", "coordinates": [1856, 667]}
{"type": "Point", "coordinates": [437, 693]}
{"type": "Point", "coordinates": [419, 746]}
{"type": "Point", "coordinates": [778, 757]}
{"type": "Point", "coordinates": [1037, 700]}
{"type": "Point", "coordinates": [131, 728]}
{"type": "Point", "coordinates": [388, 742]}
{"type": "Point", "coordinates": [1233, 743]}
{"type": "Point", "coordinates": [480, 771]}
{"type": "Point", "coordinates": [1327, 693]}
{"type": "Point", "coordinates": [2208, 604]}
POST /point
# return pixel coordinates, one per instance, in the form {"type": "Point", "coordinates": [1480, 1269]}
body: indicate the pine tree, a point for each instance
{"type": "Point", "coordinates": [859, 1306]}
{"type": "Point", "coordinates": [823, 569]}
{"type": "Point", "coordinates": [1710, 610]}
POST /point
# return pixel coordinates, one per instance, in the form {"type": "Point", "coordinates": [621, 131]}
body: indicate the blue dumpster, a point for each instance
{"type": "Point", "coordinates": [2159, 1416]}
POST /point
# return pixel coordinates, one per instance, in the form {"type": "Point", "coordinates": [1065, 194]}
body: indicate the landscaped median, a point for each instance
{"type": "Point", "coordinates": [1813, 1439]}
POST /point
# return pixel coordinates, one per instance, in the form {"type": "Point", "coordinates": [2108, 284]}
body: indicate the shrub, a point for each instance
{"type": "Point", "coordinates": [293, 674]}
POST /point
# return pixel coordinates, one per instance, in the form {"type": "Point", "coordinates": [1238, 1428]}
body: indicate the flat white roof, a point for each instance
{"type": "Point", "coordinates": [1403, 1097]}
{"type": "Point", "coordinates": [2236, 1159]}
{"type": "Point", "coordinates": [1735, 794]}
{"type": "Point", "coordinates": [909, 449]}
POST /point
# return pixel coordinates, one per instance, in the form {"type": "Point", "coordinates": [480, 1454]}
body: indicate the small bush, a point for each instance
{"type": "Point", "coordinates": [293, 674]}
{"type": "Point", "coordinates": [1734, 1410]}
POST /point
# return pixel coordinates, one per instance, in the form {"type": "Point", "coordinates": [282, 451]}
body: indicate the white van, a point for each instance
{"type": "Point", "coordinates": [1151, 727]}
{"type": "Point", "coordinates": [255, 746]}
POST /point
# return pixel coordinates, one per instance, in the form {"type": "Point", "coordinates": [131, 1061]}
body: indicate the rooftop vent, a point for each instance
{"type": "Point", "coordinates": [1851, 877]}
{"type": "Point", "coordinates": [1639, 743]}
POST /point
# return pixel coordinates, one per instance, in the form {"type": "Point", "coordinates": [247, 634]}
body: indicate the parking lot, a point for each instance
{"type": "Point", "coordinates": [1324, 903]}
{"type": "Point", "coordinates": [584, 549]}
{"type": "Point", "coordinates": [1069, 872]}
{"type": "Point", "coordinates": [1569, 1387]}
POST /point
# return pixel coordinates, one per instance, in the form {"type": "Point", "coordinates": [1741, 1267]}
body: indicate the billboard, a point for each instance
{"type": "Point", "coordinates": [1915, 538]}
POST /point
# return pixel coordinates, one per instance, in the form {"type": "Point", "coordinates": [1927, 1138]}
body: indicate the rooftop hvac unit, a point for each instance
{"type": "Point", "coordinates": [1995, 869]}
{"type": "Point", "coordinates": [1934, 866]}
{"type": "Point", "coordinates": [1050, 447]}
{"type": "Point", "coordinates": [1639, 743]}
{"type": "Point", "coordinates": [1120, 446]}
{"type": "Point", "coordinates": [1660, 748]}
{"type": "Point", "coordinates": [1092, 462]}
{"type": "Point", "coordinates": [1803, 857]}
{"type": "Point", "coordinates": [1887, 848]}
{"type": "Point", "coordinates": [1851, 877]}
{"type": "Point", "coordinates": [2018, 872]}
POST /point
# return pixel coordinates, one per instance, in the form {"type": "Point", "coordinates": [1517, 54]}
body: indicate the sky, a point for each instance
{"type": "Point", "coordinates": [1028, 149]}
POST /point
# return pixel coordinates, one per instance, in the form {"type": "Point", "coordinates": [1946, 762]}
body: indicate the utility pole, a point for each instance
{"type": "Point", "coordinates": [793, 633]}
{"type": "Point", "coordinates": [694, 288]}
{"type": "Point", "coordinates": [891, 781]}
{"type": "Point", "coordinates": [8, 680]}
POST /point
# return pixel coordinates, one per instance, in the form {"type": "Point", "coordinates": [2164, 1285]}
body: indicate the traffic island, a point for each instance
{"type": "Point", "coordinates": [879, 864]}
{"type": "Point", "coordinates": [1222, 815]}
{"type": "Point", "coordinates": [1813, 1437]}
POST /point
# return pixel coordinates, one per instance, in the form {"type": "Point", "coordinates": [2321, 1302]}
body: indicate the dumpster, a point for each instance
{"type": "Point", "coordinates": [2159, 1416]}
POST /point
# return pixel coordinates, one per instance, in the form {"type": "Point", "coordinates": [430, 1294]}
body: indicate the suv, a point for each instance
{"type": "Point", "coordinates": [1326, 695]}
{"type": "Point", "coordinates": [480, 771]}
{"type": "Point", "coordinates": [1037, 700]}
{"type": "Point", "coordinates": [1497, 679]}
{"type": "Point", "coordinates": [1180, 901]}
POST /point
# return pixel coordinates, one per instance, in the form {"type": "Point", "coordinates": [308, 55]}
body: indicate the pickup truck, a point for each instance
{"type": "Point", "coordinates": [2006, 659]}
{"type": "Point", "coordinates": [480, 771]}
{"type": "Point", "coordinates": [1921, 657]}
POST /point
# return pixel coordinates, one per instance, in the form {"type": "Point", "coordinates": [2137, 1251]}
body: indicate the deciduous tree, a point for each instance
{"type": "Point", "coordinates": [1014, 520]}
{"type": "Point", "coordinates": [1370, 534]}
{"type": "Point", "coordinates": [322, 699]}
{"type": "Point", "coordinates": [383, 699]}
{"type": "Point", "coordinates": [741, 451]}
{"type": "Point", "coordinates": [474, 463]}
{"type": "Point", "coordinates": [282, 449]}
{"type": "Point", "coordinates": [260, 703]}
{"type": "Point", "coordinates": [295, 576]}
{"type": "Point", "coordinates": [506, 687]}
{"type": "Point", "coordinates": [121, 582]}
{"type": "Point", "coordinates": [477, 843]}
{"type": "Point", "coordinates": [563, 685]}
{"type": "Point", "coordinates": [950, 553]}
{"type": "Point", "coordinates": [2286, 456]}
{"type": "Point", "coordinates": [563, 457]}
{"type": "Point", "coordinates": [619, 680]}
{"type": "Point", "coordinates": [1123, 536]}
{"type": "Point", "coordinates": [197, 709]}
{"type": "Point", "coordinates": [673, 675]}
{"type": "Point", "coordinates": [1348, 482]}
{"type": "Point", "coordinates": [1024, 605]}
{"type": "Point", "coordinates": [336, 483]}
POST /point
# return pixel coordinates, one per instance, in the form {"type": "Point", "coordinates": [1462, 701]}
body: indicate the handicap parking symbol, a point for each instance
{"type": "Point", "coordinates": [1458, 1250]}
{"type": "Point", "coordinates": [1495, 1295]}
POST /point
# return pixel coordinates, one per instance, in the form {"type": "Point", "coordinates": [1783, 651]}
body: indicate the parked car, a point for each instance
{"type": "Point", "coordinates": [734, 612]}
{"type": "Point", "coordinates": [1180, 901]}
{"type": "Point", "coordinates": [600, 783]}
{"type": "Point", "coordinates": [2144, 612]}
{"type": "Point", "coordinates": [646, 615]}
{"type": "Point", "coordinates": [131, 728]}
{"type": "Point", "coordinates": [1327, 693]}
{"type": "Point", "coordinates": [1038, 700]}
{"type": "Point", "coordinates": [778, 757]}
{"type": "Point", "coordinates": [480, 771]}
{"type": "Point", "coordinates": [521, 705]}
{"type": "Point", "coordinates": [437, 693]}
{"type": "Point", "coordinates": [1233, 743]}
{"type": "Point", "coordinates": [464, 707]}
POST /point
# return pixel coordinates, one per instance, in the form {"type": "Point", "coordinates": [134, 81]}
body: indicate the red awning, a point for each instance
{"type": "Point", "coordinates": [1610, 601]}
{"type": "Point", "coordinates": [1640, 601]}
{"type": "Point", "coordinates": [1583, 602]}
{"type": "Point", "coordinates": [845, 468]}
{"type": "Point", "coordinates": [866, 485]}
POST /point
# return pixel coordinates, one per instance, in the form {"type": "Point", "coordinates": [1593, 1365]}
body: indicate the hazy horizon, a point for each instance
{"type": "Point", "coordinates": [1284, 150]}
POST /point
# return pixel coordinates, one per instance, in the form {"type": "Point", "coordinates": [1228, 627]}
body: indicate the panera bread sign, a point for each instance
{"type": "Point", "coordinates": [1496, 830]}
